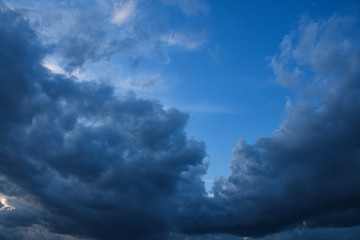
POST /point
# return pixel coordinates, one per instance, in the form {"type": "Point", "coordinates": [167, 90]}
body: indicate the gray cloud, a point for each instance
{"type": "Point", "coordinates": [76, 159]}
{"type": "Point", "coordinates": [90, 37]}
{"type": "Point", "coordinates": [307, 173]}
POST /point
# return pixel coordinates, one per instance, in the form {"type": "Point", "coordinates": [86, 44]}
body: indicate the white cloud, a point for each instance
{"type": "Point", "coordinates": [53, 66]}
{"type": "Point", "coordinates": [123, 12]}
{"type": "Point", "coordinates": [181, 40]}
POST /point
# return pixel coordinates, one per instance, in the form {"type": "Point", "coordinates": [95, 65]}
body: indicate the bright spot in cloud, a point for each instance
{"type": "Point", "coordinates": [4, 204]}
{"type": "Point", "coordinates": [53, 66]}
{"type": "Point", "coordinates": [123, 12]}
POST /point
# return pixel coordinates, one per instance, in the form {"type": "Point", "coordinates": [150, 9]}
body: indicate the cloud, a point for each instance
{"type": "Point", "coordinates": [4, 206]}
{"type": "Point", "coordinates": [182, 40]}
{"type": "Point", "coordinates": [103, 31]}
{"type": "Point", "coordinates": [53, 66]}
{"type": "Point", "coordinates": [123, 12]}
{"type": "Point", "coordinates": [144, 82]}
{"type": "Point", "coordinates": [77, 160]}
{"type": "Point", "coordinates": [307, 174]}
{"type": "Point", "coordinates": [314, 234]}
{"type": "Point", "coordinates": [125, 35]}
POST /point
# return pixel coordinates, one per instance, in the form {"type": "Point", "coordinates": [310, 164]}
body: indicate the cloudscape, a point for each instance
{"type": "Point", "coordinates": [117, 120]}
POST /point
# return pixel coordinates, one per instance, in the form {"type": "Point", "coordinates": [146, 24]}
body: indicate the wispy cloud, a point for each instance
{"type": "Point", "coordinates": [124, 11]}
{"type": "Point", "coordinates": [149, 82]}
{"type": "Point", "coordinates": [181, 40]}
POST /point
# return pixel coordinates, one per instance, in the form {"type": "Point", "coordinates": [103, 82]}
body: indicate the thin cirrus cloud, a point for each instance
{"type": "Point", "coordinates": [78, 161]}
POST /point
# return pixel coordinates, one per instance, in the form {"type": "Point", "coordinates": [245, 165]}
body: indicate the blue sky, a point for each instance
{"type": "Point", "coordinates": [211, 103]}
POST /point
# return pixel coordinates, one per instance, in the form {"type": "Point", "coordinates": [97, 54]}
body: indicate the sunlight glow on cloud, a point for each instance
{"type": "Point", "coordinates": [5, 206]}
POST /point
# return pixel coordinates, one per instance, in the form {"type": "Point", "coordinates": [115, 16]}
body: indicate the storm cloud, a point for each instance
{"type": "Point", "coordinates": [80, 161]}
{"type": "Point", "coordinates": [306, 175]}
{"type": "Point", "coordinates": [77, 159]}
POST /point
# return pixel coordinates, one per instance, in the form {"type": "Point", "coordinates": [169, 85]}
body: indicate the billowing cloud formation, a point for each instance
{"type": "Point", "coordinates": [77, 159]}
{"type": "Point", "coordinates": [307, 174]}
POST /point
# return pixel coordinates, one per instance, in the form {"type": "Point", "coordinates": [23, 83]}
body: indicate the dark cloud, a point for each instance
{"type": "Point", "coordinates": [76, 159]}
{"type": "Point", "coordinates": [300, 233]}
{"type": "Point", "coordinates": [314, 234]}
{"type": "Point", "coordinates": [307, 173]}
{"type": "Point", "coordinates": [79, 161]}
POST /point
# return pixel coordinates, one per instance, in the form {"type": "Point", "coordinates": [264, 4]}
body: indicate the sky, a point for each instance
{"type": "Point", "coordinates": [179, 119]}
